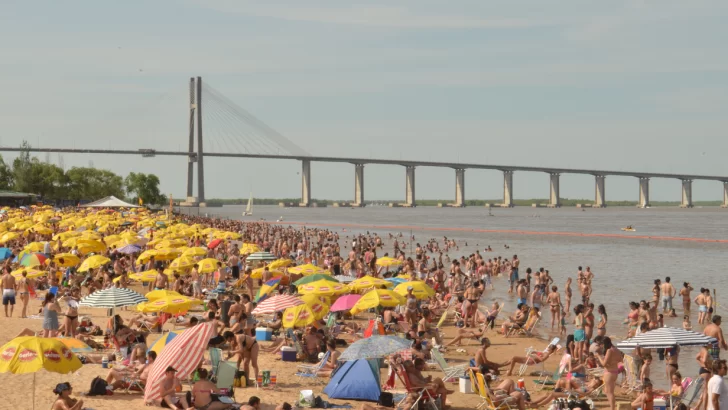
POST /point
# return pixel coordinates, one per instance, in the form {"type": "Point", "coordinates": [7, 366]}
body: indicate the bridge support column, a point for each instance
{"type": "Point", "coordinates": [687, 194]}
{"type": "Point", "coordinates": [507, 189]}
{"type": "Point", "coordinates": [305, 183]}
{"type": "Point", "coordinates": [725, 194]}
{"type": "Point", "coordinates": [358, 185]}
{"type": "Point", "coordinates": [200, 156]}
{"type": "Point", "coordinates": [554, 199]}
{"type": "Point", "coordinates": [459, 188]}
{"type": "Point", "coordinates": [644, 199]}
{"type": "Point", "coordinates": [600, 200]}
{"type": "Point", "coordinates": [410, 187]}
{"type": "Point", "coordinates": [191, 149]}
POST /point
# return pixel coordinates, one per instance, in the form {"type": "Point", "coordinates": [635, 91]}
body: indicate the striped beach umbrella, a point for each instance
{"type": "Point", "coordinates": [112, 298]}
{"type": "Point", "coordinates": [276, 303]}
{"type": "Point", "coordinates": [33, 259]}
{"type": "Point", "coordinates": [666, 337]}
{"type": "Point", "coordinates": [183, 353]}
{"type": "Point", "coordinates": [262, 256]}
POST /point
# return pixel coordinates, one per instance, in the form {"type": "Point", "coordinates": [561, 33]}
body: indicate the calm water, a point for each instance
{"type": "Point", "coordinates": [624, 268]}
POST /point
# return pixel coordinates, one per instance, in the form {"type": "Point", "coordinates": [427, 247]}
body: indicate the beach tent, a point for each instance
{"type": "Point", "coordinates": [355, 380]}
{"type": "Point", "coordinates": [109, 202]}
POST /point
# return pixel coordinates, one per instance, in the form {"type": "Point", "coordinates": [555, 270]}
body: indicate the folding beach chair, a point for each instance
{"type": "Point", "coordinates": [215, 359]}
{"type": "Point", "coordinates": [527, 328]}
{"type": "Point", "coordinates": [692, 394]}
{"type": "Point", "coordinates": [488, 403]}
{"type": "Point", "coordinates": [530, 351]}
{"type": "Point", "coordinates": [450, 372]}
{"type": "Point", "coordinates": [632, 382]}
{"type": "Point", "coordinates": [226, 378]}
{"type": "Point", "coordinates": [310, 371]}
{"type": "Point", "coordinates": [425, 396]}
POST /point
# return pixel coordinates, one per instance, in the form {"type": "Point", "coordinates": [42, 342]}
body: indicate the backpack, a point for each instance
{"type": "Point", "coordinates": [98, 387]}
{"type": "Point", "coordinates": [386, 399]}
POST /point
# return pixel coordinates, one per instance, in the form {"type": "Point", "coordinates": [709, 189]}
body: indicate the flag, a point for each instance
{"type": "Point", "coordinates": [141, 201]}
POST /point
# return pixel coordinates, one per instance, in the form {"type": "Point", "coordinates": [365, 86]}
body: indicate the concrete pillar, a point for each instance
{"type": "Point", "coordinates": [410, 187]}
{"type": "Point", "coordinates": [190, 159]}
{"type": "Point", "coordinates": [200, 156]}
{"type": "Point", "coordinates": [644, 200]}
{"type": "Point", "coordinates": [459, 188]}
{"type": "Point", "coordinates": [358, 184]}
{"type": "Point", "coordinates": [725, 194]}
{"type": "Point", "coordinates": [687, 194]}
{"type": "Point", "coordinates": [554, 199]}
{"type": "Point", "coordinates": [600, 200]}
{"type": "Point", "coordinates": [305, 183]}
{"type": "Point", "coordinates": [508, 189]}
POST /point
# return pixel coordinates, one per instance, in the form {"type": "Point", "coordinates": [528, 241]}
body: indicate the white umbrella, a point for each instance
{"type": "Point", "coordinates": [374, 347]}
{"type": "Point", "coordinates": [666, 337]}
{"type": "Point", "coordinates": [112, 298]}
{"type": "Point", "coordinates": [261, 256]}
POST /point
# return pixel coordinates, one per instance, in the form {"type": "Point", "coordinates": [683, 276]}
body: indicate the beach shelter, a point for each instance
{"type": "Point", "coordinates": [109, 202]}
{"type": "Point", "coordinates": [355, 380]}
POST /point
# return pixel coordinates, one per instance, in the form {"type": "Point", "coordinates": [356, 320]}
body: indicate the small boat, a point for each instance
{"type": "Point", "coordinates": [249, 209]}
{"type": "Point", "coordinates": [629, 229]}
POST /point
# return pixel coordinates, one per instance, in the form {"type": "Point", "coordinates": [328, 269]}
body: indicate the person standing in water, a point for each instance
{"type": "Point", "coordinates": [668, 292]}
{"type": "Point", "coordinates": [685, 293]}
{"type": "Point", "coordinates": [554, 301]}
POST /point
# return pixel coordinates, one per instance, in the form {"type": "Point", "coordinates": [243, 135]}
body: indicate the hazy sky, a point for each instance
{"type": "Point", "coordinates": [624, 85]}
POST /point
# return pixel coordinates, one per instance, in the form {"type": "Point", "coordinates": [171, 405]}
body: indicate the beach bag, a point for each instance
{"type": "Point", "coordinates": [386, 399]}
{"type": "Point", "coordinates": [98, 387]}
{"type": "Point", "coordinates": [305, 398]}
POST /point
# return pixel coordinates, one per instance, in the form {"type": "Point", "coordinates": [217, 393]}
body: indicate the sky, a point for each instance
{"type": "Point", "coordinates": [620, 85]}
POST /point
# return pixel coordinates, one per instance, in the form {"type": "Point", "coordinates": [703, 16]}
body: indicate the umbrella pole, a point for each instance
{"type": "Point", "coordinates": [33, 391]}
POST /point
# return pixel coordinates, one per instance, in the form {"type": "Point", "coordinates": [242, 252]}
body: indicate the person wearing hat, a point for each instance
{"type": "Point", "coordinates": [64, 400]}
{"type": "Point", "coordinates": [169, 388]}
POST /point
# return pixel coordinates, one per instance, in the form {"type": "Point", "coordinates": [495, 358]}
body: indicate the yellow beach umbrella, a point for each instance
{"type": "Point", "coordinates": [248, 248]}
{"type": "Point", "coordinates": [323, 288]}
{"type": "Point", "coordinates": [281, 263]}
{"type": "Point", "coordinates": [170, 304]}
{"type": "Point", "coordinates": [69, 259]}
{"type": "Point", "coordinates": [420, 289]}
{"type": "Point", "coordinates": [164, 340]}
{"type": "Point", "coordinates": [366, 282]}
{"type": "Point", "coordinates": [161, 294]}
{"type": "Point", "coordinates": [307, 269]}
{"type": "Point", "coordinates": [8, 236]}
{"type": "Point", "coordinates": [387, 261]}
{"type": "Point", "coordinates": [65, 235]}
{"type": "Point", "coordinates": [312, 298]}
{"type": "Point", "coordinates": [93, 262]}
{"type": "Point", "coordinates": [196, 251]}
{"type": "Point", "coordinates": [85, 246]}
{"type": "Point", "coordinates": [146, 255]}
{"type": "Point", "coordinates": [35, 247]}
{"type": "Point", "coordinates": [166, 254]}
{"type": "Point", "coordinates": [146, 276]}
{"type": "Point", "coordinates": [182, 263]}
{"type": "Point", "coordinates": [207, 265]}
{"type": "Point", "coordinates": [31, 273]}
{"type": "Point", "coordinates": [378, 297]}
{"type": "Point", "coordinates": [173, 243]}
{"type": "Point", "coordinates": [28, 354]}
{"type": "Point", "coordinates": [258, 273]}
{"type": "Point", "coordinates": [304, 315]}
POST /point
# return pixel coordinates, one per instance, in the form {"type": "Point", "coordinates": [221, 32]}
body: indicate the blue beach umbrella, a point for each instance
{"type": "Point", "coordinates": [396, 281]}
{"type": "Point", "coordinates": [5, 253]}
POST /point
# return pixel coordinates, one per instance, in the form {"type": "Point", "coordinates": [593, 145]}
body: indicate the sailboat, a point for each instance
{"type": "Point", "coordinates": [249, 209]}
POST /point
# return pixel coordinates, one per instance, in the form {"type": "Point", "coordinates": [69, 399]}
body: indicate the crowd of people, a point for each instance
{"type": "Point", "coordinates": [590, 362]}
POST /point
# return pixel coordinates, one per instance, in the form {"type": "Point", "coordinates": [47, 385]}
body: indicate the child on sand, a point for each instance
{"type": "Point", "coordinates": [562, 330]}
{"type": "Point", "coordinates": [645, 371]}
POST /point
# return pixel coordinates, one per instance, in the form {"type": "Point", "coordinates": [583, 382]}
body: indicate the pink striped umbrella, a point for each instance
{"type": "Point", "coordinates": [277, 303]}
{"type": "Point", "coordinates": [184, 353]}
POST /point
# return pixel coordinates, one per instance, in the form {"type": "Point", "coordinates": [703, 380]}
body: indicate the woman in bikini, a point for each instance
{"type": "Point", "coordinates": [633, 319]}
{"type": "Point", "coordinates": [247, 348]}
{"type": "Point", "coordinates": [656, 292]}
{"type": "Point", "coordinates": [24, 293]}
{"type": "Point", "coordinates": [71, 322]}
{"type": "Point", "coordinates": [567, 296]}
{"type": "Point", "coordinates": [531, 359]}
{"type": "Point", "coordinates": [554, 301]}
{"type": "Point", "coordinates": [602, 325]}
{"type": "Point", "coordinates": [588, 323]}
{"type": "Point", "coordinates": [472, 295]}
{"type": "Point", "coordinates": [579, 333]}
{"type": "Point", "coordinates": [610, 361]}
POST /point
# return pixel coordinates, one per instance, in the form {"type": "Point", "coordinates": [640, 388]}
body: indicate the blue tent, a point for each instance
{"type": "Point", "coordinates": [356, 380]}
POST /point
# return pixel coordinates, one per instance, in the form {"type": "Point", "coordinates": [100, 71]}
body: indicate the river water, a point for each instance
{"type": "Point", "coordinates": [680, 243]}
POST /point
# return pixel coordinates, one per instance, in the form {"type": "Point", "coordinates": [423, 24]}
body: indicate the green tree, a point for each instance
{"type": "Point", "coordinates": [7, 182]}
{"type": "Point", "coordinates": [22, 165]}
{"type": "Point", "coordinates": [146, 187]}
{"type": "Point", "coordinates": [92, 184]}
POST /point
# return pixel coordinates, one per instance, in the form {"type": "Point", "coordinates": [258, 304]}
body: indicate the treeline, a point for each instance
{"type": "Point", "coordinates": [434, 202]}
{"type": "Point", "coordinates": [52, 183]}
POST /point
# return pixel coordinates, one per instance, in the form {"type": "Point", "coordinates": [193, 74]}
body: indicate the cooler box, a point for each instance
{"type": "Point", "coordinates": [288, 354]}
{"type": "Point", "coordinates": [660, 404]}
{"type": "Point", "coordinates": [263, 334]}
{"type": "Point", "coordinates": [465, 386]}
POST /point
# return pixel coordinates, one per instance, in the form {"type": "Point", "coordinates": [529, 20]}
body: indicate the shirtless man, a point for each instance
{"type": "Point", "coordinates": [9, 288]}
{"type": "Point", "coordinates": [24, 293]}
{"type": "Point", "coordinates": [714, 330]}
{"type": "Point", "coordinates": [668, 292]}
{"type": "Point", "coordinates": [115, 377]}
{"type": "Point", "coordinates": [554, 301]}
{"type": "Point", "coordinates": [170, 384]}
{"type": "Point", "coordinates": [162, 281]}
{"type": "Point", "coordinates": [522, 292]}
{"type": "Point", "coordinates": [514, 272]}
{"type": "Point", "coordinates": [196, 285]}
{"type": "Point", "coordinates": [482, 364]}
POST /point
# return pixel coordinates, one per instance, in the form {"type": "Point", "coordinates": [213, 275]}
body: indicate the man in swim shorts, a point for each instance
{"type": "Point", "coordinates": [9, 288]}
{"type": "Point", "coordinates": [668, 292]}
